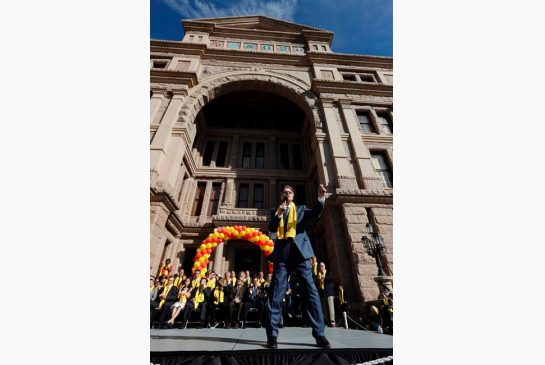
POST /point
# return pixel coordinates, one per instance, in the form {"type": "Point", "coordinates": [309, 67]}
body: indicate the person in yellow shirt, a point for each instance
{"type": "Point", "coordinates": [196, 279]}
{"type": "Point", "coordinates": [211, 283]}
{"type": "Point", "coordinates": [167, 297]}
{"type": "Point", "coordinates": [199, 302]}
{"type": "Point", "coordinates": [220, 302]}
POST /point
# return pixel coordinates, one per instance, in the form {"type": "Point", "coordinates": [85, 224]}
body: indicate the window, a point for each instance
{"type": "Point", "coordinates": [222, 154]}
{"type": "Point", "coordinates": [367, 78]}
{"type": "Point", "coordinates": [324, 48]}
{"type": "Point", "coordinates": [365, 122]}
{"type": "Point", "coordinates": [251, 195]}
{"type": "Point", "coordinates": [214, 199]}
{"type": "Point", "coordinates": [199, 197]}
{"type": "Point", "coordinates": [258, 196]}
{"type": "Point", "coordinates": [160, 64]}
{"type": "Point", "coordinates": [252, 155]}
{"type": "Point", "coordinates": [246, 154]}
{"type": "Point", "coordinates": [297, 160]}
{"type": "Point", "coordinates": [259, 155]}
{"type": "Point", "coordinates": [290, 156]}
{"type": "Point", "coordinates": [315, 47]}
{"type": "Point", "coordinates": [215, 151]}
{"type": "Point", "coordinates": [284, 156]}
{"type": "Point", "coordinates": [385, 121]}
{"type": "Point", "coordinates": [381, 166]}
{"type": "Point", "coordinates": [243, 192]}
{"type": "Point", "coordinates": [208, 151]}
{"type": "Point", "coordinates": [349, 77]}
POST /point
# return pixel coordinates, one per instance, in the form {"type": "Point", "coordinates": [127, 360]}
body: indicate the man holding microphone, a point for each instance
{"type": "Point", "coordinates": [292, 251]}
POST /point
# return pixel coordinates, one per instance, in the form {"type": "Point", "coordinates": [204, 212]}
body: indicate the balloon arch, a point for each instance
{"type": "Point", "coordinates": [224, 234]}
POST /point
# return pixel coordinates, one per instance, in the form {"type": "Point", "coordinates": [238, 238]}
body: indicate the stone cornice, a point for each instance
{"type": "Point", "coordinates": [361, 196]}
{"type": "Point", "coordinates": [164, 197]}
{"type": "Point", "coordinates": [176, 47]}
{"type": "Point", "coordinates": [347, 87]}
{"type": "Point", "coordinates": [255, 57]}
{"type": "Point", "coordinates": [351, 60]}
{"type": "Point", "coordinates": [173, 77]}
{"type": "Point", "coordinates": [310, 58]}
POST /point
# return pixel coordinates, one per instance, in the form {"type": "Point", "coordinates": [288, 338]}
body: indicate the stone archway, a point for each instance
{"type": "Point", "coordinates": [294, 89]}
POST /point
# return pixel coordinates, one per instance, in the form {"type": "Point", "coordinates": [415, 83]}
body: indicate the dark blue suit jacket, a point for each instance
{"type": "Point", "coordinates": [301, 238]}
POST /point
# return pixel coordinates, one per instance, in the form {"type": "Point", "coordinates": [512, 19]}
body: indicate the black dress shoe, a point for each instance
{"type": "Point", "coordinates": [271, 342]}
{"type": "Point", "coordinates": [322, 342]}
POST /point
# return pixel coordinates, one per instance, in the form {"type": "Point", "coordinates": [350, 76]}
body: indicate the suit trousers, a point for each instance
{"type": "Point", "coordinates": [309, 294]}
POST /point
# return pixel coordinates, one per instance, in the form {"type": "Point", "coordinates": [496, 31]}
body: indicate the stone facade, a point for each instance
{"type": "Point", "coordinates": [337, 94]}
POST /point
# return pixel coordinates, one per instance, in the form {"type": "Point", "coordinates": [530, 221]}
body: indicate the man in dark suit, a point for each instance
{"type": "Point", "coordinates": [253, 299]}
{"type": "Point", "coordinates": [168, 297]}
{"type": "Point", "coordinates": [236, 301]}
{"type": "Point", "coordinates": [292, 252]}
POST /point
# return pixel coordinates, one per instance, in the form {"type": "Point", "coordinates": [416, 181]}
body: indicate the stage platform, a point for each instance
{"type": "Point", "coordinates": [247, 346]}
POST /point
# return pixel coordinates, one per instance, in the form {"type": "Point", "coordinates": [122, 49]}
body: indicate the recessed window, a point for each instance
{"type": "Point", "coordinates": [214, 199]}
{"type": "Point", "coordinates": [367, 78]}
{"type": "Point", "coordinates": [324, 48]}
{"type": "Point", "coordinates": [258, 195]}
{"type": "Point", "coordinates": [259, 155]}
{"type": "Point", "coordinates": [251, 195]}
{"type": "Point", "coordinates": [349, 77]}
{"type": "Point", "coordinates": [246, 154]}
{"type": "Point", "coordinates": [215, 151]}
{"type": "Point", "coordinates": [252, 155]}
{"type": "Point", "coordinates": [243, 192]}
{"type": "Point", "coordinates": [208, 151]}
{"type": "Point", "coordinates": [290, 156]}
{"type": "Point", "coordinates": [365, 122]}
{"type": "Point", "coordinates": [199, 197]}
{"type": "Point", "coordinates": [385, 122]}
{"type": "Point", "coordinates": [383, 169]}
{"type": "Point", "coordinates": [222, 154]}
{"type": "Point", "coordinates": [160, 64]}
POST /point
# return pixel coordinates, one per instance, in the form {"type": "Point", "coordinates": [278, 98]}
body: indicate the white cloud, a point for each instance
{"type": "Point", "coordinates": [281, 9]}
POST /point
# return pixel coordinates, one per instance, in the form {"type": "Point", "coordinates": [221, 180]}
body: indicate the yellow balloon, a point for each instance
{"type": "Point", "coordinates": [201, 259]}
{"type": "Point", "coordinates": [203, 246]}
{"type": "Point", "coordinates": [196, 264]}
{"type": "Point", "coordinates": [208, 245]}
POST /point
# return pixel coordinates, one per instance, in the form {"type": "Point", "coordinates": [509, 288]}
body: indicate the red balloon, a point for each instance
{"type": "Point", "coordinates": [198, 255]}
{"type": "Point", "coordinates": [208, 250]}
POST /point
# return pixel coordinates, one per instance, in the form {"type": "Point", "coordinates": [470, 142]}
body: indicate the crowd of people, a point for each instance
{"type": "Point", "coordinates": [212, 299]}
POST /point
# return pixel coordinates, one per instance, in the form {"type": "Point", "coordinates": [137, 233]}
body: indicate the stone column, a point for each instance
{"type": "Point", "coordinates": [228, 199]}
{"type": "Point", "coordinates": [156, 101]}
{"type": "Point", "coordinates": [345, 178]}
{"type": "Point", "coordinates": [218, 258]}
{"type": "Point", "coordinates": [324, 168]}
{"type": "Point", "coordinates": [232, 160]}
{"type": "Point", "coordinates": [369, 178]}
{"type": "Point", "coordinates": [158, 217]}
{"type": "Point", "coordinates": [166, 151]}
{"type": "Point", "coordinates": [206, 201]}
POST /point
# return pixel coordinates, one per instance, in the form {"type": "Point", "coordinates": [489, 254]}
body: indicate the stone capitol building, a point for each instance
{"type": "Point", "coordinates": [243, 105]}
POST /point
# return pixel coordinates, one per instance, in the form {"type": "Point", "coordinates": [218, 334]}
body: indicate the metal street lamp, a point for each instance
{"type": "Point", "coordinates": [375, 247]}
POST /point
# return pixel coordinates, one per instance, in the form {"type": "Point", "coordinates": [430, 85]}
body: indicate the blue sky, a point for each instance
{"type": "Point", "coordinates": [360, 26]}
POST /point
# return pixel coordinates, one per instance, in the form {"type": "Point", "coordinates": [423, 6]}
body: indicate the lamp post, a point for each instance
{"type": "Point", "coordinates": [375, 247]}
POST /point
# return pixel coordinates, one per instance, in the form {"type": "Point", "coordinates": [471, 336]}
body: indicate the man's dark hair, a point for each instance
{"type": "Point", "coordinates": [289, 187]}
